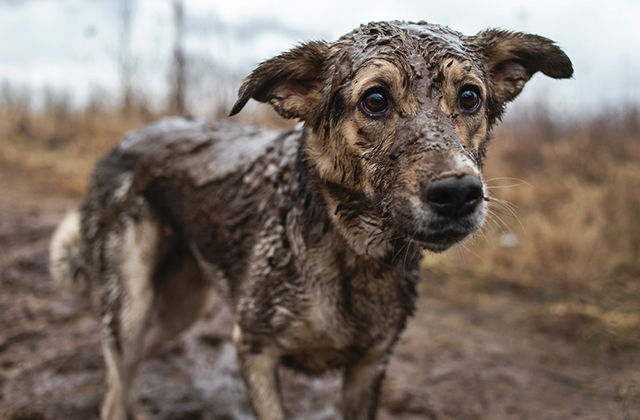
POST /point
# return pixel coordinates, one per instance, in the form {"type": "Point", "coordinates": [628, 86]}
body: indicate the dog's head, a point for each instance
{"type": "Point", "coordinates": [399, 117]}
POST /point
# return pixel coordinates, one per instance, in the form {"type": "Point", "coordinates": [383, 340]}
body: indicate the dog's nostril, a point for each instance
{"type": "Point", "coordinates": [474, 190]}
{"type": "Point", "coordinates": [454, 196]}
{"type": "Point", "coordinates": [440, 196]}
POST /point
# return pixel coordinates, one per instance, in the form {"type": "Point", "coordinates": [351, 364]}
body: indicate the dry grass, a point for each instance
{"type": "Point", "coordinates": [61, 147]}
{"type": "Point", "coordinates": [572, 254]}
{"type": "Point", "coordinates": [60, 150]}
{"type": "Point", "coordinates": [564, 230]}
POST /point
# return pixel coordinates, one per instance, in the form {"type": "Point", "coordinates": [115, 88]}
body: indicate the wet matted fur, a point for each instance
{"type": "Point", "coordinates": [313, 235]}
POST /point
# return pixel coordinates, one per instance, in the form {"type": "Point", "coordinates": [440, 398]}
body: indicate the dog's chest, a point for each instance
{"type": "Point", "coordinates": [320, 323]}
{"type": "Point", "coordinates": [320, 338]}
{"type": "Point", "coordinates": [339, 322]}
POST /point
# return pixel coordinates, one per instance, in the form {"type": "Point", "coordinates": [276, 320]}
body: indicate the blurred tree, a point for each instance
{"type": "Point", "coordinates": [125, 60]}
{"type": "Point", "coordinates": [178, 79]}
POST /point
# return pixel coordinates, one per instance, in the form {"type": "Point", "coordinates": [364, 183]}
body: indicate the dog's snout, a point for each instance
{"type": "Point", "coordinates": [455, 196]}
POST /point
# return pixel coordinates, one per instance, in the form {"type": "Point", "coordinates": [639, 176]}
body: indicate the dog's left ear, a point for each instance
{"type": "Point", "coordinates": [513, 57]}
{"type": "Point", "coordinates": [290, 82]}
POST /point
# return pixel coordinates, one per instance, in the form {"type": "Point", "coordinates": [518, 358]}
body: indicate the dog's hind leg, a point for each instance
{"type": "Point", "coordinates": [156, 291]}
{"type": "Point", "coordinates": [129, 327]}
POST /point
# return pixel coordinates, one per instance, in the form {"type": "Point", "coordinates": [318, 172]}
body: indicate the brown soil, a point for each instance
{"type": "Point", "coordinates": [464, 355]}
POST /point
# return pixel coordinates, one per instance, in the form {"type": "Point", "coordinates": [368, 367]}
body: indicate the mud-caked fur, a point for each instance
{"type": "Point", "coordinates": [313, 235]}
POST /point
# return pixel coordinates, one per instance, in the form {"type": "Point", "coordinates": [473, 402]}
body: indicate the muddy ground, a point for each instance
{"type": "Point", "coordinates": [473, 357]}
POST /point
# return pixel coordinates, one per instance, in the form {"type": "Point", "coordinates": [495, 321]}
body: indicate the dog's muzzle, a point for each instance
{"type": "Point", "coordinates": [452, 210]}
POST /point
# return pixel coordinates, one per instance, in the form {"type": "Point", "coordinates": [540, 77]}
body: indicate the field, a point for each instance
{"type": "Point", "coordinates": [537, 317]}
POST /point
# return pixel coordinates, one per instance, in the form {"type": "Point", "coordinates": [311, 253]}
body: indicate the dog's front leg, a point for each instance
{"type": "Point", "coordinates": [260, 371]}
{"type": "Point", "coordinates": [361, 387]}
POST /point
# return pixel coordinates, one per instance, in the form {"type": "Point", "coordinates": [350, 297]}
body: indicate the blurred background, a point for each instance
{"type": "Point", "coordinates": [110, 51]}
{"type": "Point", "coordinates": [556, 269]}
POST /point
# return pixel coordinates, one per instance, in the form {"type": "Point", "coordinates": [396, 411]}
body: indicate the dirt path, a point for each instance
{"type": "Point", "coordinates": [472, 357]}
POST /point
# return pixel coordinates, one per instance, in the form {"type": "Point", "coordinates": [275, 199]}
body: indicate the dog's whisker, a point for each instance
{"type": "Point", "coordinates": [498, 201]}
{"type": "Point", "coordinates": [497, 187]}
{"type": "Point", "coordinates": [493, 219]}
{"type": "Point", "coordinates": [506, 178]}
{"type": "Point", "coordinates": [504, 225]}
{"type": "Point", "coordinates": [463, 245]}
{"type": "Point", "coordinates": [485, 230]}
{"type": "Point", "coordinates": [511, 212]}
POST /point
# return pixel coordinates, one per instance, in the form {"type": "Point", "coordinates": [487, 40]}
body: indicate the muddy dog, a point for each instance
{"type": "Point", "coordinates": [313, 235]}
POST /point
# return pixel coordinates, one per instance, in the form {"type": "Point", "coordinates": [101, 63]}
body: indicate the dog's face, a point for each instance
{"type": "Point", "coordinates": [400, 117]}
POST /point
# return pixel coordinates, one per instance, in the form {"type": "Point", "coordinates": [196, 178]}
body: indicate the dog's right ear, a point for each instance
{"type": "Point", "coordinates": [290, 82]}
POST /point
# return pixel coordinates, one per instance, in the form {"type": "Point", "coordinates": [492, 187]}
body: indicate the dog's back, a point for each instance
{"type": "Point", "coordinates": [181, 169]}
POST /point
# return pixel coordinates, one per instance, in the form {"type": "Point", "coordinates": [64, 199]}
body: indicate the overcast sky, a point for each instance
{"type": "Point", "coordinates": [73, 44]}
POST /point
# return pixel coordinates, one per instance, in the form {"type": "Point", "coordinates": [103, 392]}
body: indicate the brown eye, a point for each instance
{"type": "Point", "coordinates": [469, 99]}
{"type": "Point", "coordinates": [375, 103]}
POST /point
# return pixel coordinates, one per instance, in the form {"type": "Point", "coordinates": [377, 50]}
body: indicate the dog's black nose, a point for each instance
{"type": "Point", "coordinates": [455, 196]}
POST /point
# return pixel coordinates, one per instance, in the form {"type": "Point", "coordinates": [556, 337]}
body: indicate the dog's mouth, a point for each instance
{"type": "Point", "coordinates": [439, 241]}
{"type": "Point", "coordinates": [442, 233]}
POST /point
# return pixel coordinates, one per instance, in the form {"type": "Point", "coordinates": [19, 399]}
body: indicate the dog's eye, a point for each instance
{"type": "Point", "coordinates": [375, 103]}
{"type": "Point", "coordinates": [469, 99]}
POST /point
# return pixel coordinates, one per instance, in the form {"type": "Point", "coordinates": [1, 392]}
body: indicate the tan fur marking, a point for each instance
{"type": "Point", "coordinates": [471, 128]}
{"type": "Point", "coordinates": [322, 152]}
{"type": "Point", "coordinates": [63, 247]}
{"type": "Point", "coordinates": [139, 255]}
{"type": "Point", "coordinates": [260, 373]}
{"type": "Point", "coordinates": [382, 72]}
{"type": "Point", "coordinates": [113, 407]}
